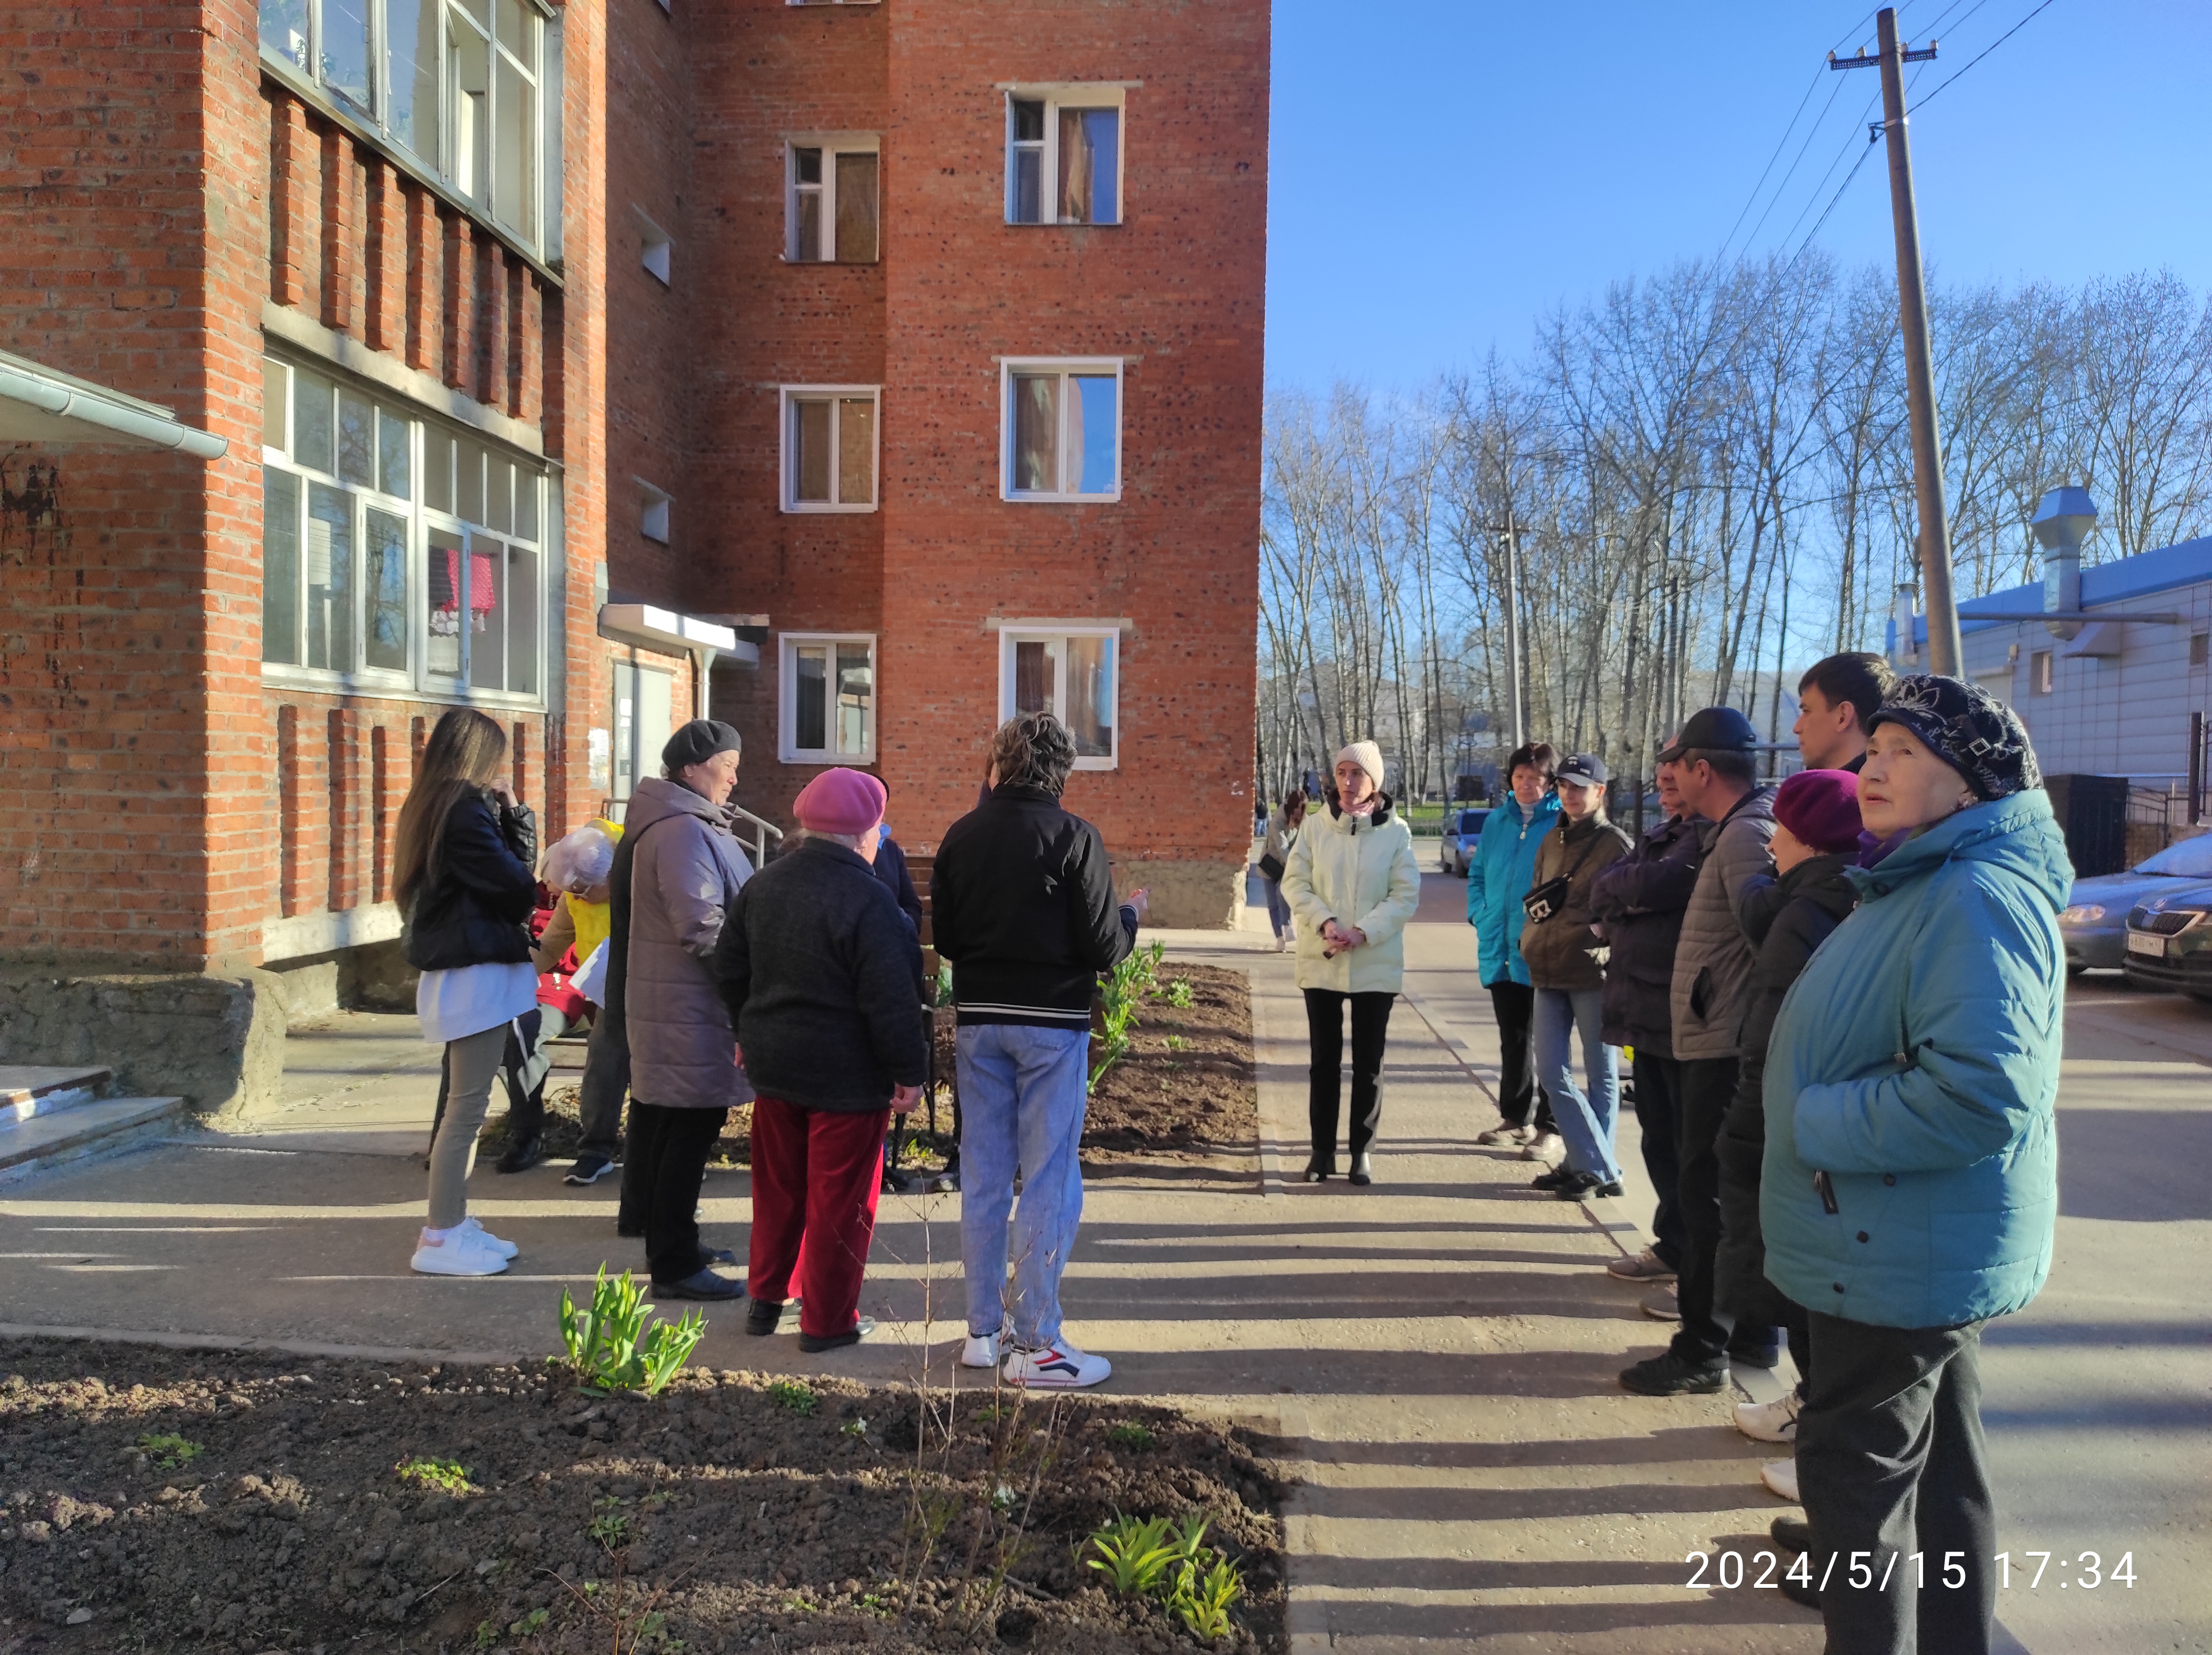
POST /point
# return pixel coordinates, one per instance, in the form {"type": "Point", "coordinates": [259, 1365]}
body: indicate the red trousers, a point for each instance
{"type": "Point", "coordinates": [815, 1176]}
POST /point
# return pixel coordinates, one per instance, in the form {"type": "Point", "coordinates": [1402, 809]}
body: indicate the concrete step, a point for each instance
{"type": "Point", "coordinates": [27, 1090]}
{"type": "Point", "coordinates": [30, 1145]}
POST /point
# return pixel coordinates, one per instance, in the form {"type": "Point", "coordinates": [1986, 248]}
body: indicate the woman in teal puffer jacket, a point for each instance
{"type": "Point", "coordinates": [1499, 875]}
{"type": "Point", "coordinates": [1909, 1188]}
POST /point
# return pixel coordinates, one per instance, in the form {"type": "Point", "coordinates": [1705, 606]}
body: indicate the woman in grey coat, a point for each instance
{"type": "Point", "coordinates": [677, 871]}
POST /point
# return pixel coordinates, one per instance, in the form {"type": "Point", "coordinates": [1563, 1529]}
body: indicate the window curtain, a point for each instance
{"type": "Point", "coordinates": [1087, 143]}
{"type": "Point", "coordinates": [1036, 455]}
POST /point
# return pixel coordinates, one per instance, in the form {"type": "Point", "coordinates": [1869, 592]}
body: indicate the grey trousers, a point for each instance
{"type": "Point", "coordinates": [472, 1064]}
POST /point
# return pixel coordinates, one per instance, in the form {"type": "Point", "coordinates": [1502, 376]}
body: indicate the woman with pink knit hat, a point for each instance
{"type": "Point", "coordinates": [818, 966]}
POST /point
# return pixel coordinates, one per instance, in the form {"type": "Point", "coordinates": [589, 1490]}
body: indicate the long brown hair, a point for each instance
{"type": "Point", "coordinates": [464, 754]}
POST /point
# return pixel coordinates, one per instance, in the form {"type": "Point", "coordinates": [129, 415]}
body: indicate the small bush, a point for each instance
{"type": "Point", "coordinates": [449, 1475]}
{"type": "Point", "coordinates": [611, 1347]}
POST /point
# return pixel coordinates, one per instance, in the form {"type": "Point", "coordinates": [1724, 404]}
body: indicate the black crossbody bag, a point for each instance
{"type": "Point", "coordinates": [1543, 900]}
{"type": "Point", "coordinates": [1271, 866]}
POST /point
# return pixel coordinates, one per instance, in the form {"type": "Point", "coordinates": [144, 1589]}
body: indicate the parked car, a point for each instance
{"type": "Point", "coordinates": [1462, 829]}
{"type": "Point", "coordinates": [2095, 924]}
{"type": "Point", "coordinates": [2170, 943]}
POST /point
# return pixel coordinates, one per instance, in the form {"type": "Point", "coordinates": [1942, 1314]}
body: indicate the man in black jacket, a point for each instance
{"type": "Point", "coordinates": [1022, 903]}
{"type": "Point", "coordinates": [817, 967]}
{"type": "Point", "coordinates": [1639, 903]}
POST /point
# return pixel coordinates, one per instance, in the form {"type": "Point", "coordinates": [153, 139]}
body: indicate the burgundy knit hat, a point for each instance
{"type": "Point", "coordinates": [1822, 808]}
{"type": "Point", "coordinates": [840, 802]}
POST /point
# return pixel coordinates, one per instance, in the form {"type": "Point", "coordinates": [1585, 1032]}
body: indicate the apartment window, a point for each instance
{"type": "Point", "coordinates": [830, 214]}
{"type": "Point", "coordinates": [2038, 673]}
{"type": "Point", "coordinates": [830, 445]}
{"type": "Point", "coordinates": [1064, 157]}
{"type": "Point", "coordinates": [395, 552]}
{"type": "Point", "coordinates": [2198, 651]}
{"type": "Point", "coordinates": [1069, 672]}
{"type": "Point", "coordinates": [1062, 438]}
{"type": "Point", "coordinates": [468, 86]}
{"type": "Point", "coordinates": [652, 505]}
{"type": "Point", "coordinates": [654, 249]}
{"type": "Point", "coordinates": [828, 698]}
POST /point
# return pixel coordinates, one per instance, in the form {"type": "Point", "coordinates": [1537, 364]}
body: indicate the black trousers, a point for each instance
{"type": "Point", "coordinates": [1370, 1029]}
{"type": "Point", "coordinates": [662, 1172]}
{"type": "Point", "coordinates": [1708, 1333]}
{"type": "Point", "coordinates": [1657, 1080]}
{"type": "Point", "coordinates": [606, 1083]}
{"type": "Point", "coordinates": [1514, 1004]}
{"type": "Point", "coordinates": [1890, 1461]}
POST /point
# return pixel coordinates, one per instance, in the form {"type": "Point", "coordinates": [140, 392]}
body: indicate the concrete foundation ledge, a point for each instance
{"type": "Point", "coordinates": [1185, 896]}
{"type": "Point", "coordinates": [215, 1040]}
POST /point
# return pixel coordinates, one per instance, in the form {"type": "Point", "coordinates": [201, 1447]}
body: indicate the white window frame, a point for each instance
{"type": "Point", "coordinates": [1076, 95]}
{"type": "Point", "coordinates": [655, 250]}
{"type": "Point", "coordinates": [786, 440]}
{"type": "Point", "coordinates": [1012, 632]}
{"type": "Point", "coordinates": [787, 750]}
{"type": "Point", "coordinates": [416, 681]}
{"type": "Point", "coordinates": [832, 145]}
{"type": "Point", "coordinates": [653, 504]}
{"type": "Point", "coordinates": [1067, 367]}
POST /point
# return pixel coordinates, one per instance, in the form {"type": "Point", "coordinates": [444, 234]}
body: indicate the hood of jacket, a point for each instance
{"type": "Point", "coordinates": [2016, 834]}
{"type": "Point", "coordinates": [657, 796]}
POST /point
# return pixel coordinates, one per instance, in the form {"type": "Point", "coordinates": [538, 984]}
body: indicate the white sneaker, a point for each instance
{"type": "Point", "coordinates": [1059, 1366]}
{"type": "Point", "coordinates": [981, 1350]}
{"type": "Point", "coordinates": [1781, 1478]}
{"type": "Point", "coordinates": [1282, 945]}
{"type": "Point", "coordinates": [1546, 1146]}
{"type": "Point", "coordinates": [504, 1249]}
{"type": "Point", "coordinates": [1769, 1422]}
{"type": "Point", "coordinates": [462, 1253]}
{"type": "Point", "coordinates": [1501, 1136]}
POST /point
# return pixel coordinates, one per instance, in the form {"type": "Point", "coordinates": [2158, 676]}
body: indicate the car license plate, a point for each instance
{"type": "Point", "coordinates": [2147, 943]}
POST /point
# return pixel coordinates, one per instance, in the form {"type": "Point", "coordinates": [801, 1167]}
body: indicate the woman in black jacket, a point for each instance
{"type": "Point", "coordinates": [462, 872]}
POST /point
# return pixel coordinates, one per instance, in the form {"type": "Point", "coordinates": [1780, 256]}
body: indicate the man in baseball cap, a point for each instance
{"type": "Point", "coordinates": [1714, 730]}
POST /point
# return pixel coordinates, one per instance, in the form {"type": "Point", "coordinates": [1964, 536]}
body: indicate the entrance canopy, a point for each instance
{"type": "Point", "coordinates": [39, 404]}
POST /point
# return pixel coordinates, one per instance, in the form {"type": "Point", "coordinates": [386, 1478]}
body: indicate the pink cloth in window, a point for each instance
{"type": "Point", "coordinates": [483, 595]}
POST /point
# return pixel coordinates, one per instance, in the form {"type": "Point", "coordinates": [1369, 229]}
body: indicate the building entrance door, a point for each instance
{"type": "Point", "coordinates": [644, 708]}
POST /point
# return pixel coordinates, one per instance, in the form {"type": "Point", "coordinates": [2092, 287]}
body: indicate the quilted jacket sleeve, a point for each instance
{"type": "Point", "coordinates": [1388, 916]}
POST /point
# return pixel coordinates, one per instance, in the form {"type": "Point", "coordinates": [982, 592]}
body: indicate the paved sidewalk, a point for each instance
{"type": "Point", "coordinates": [1436, 1356]}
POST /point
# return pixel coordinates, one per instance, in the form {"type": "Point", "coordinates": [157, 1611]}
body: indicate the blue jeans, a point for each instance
{"type": "Point", "coordinates": [1279, 906]}
{"type": "Point", "coordinates": [1585, 1120]}
{"type": "Point", "coordinates": [1022, 1094]}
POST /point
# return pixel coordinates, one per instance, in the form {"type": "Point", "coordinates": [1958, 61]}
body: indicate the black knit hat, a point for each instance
{"type": "Point", "coordinates": [1967, 727]}
{"type": "Point", "coordinates": [698, 742]}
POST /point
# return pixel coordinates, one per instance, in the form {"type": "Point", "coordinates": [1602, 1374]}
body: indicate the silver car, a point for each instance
{"type": "Point", "coordinates": [1462, 827]}
{"type": "Point", "coordinates": [2095, 924]}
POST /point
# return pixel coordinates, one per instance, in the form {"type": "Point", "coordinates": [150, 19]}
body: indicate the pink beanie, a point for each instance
{"type": "Point", "coordinates": [1822, 808]}
{"type": "Point", "coordinates": [840, 802]}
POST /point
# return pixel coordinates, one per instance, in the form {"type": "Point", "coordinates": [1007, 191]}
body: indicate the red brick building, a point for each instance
{"type": "Point", "coordinates": [898, 365]}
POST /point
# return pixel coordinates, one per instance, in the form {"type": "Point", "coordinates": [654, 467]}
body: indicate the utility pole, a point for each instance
{"type": "Point", "coordinates": [1912, 316]}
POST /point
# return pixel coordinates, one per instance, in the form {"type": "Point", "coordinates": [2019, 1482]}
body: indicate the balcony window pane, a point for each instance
{"type": "Point", "coordinates": [1036, 433]}
{"type": "Point", "coordinates": [521, 621]}
{"type": "Point", "coordinates": [526, 484]}
{"type": "Point", "coordinates": [328, 576]}
{"type": "Point", "coordinates": [468, 101]}
{"type": "Point", "coordinates": [438, 469]}
{"type": "Point", "coordinates": [499, 493]}
{"type": "Point", "coordinates": [488, 610]}
{"type": "Point", "coordinates": [517, 32]}
{"type": "Point", "coordinates": [284, 30]}
{"type": "Point", "coordinates": [1029, 185]}
{"type": "Point", "coordinates": [1095, 429]}
{"type": "Point", "coordinates": [394, 458]}
{"type": "Point", "coordinates": [810, 718]}
{"type": "Point", "coordinates": [356, 438]}
{"type": "Point", "coordinates": [856, 450]}
{"type": "Point", "coordinates": [856, 209]}
{"type": "Point", "coordinates": [1087, 165]}
{"type": "Point", "coordinates": [479, 10]}
{"type": "Point", "coordinates": [468, 491]}
{"type": "Point", "coordinates": [1029, 120]}
{"type": "Point", "coordinates": [410, 57]}
{"type": "Point", "coordinates": [442, 592]}
{"type": "Point", "coordinates": [280, 566]}
{"type": "Point", "coordinates": [856, 687]}
{"type": "Point", "coordinates": [515, 200]}
{"type": "Point", "coordinates": [345, 50]}
{"type": "Point", "coordinates": [1033, 675]}
{"type": "Point", "coordinates": [275, 395]}
{"type": "Point", "coordinates": [811, 476]}
{"type": "Point", "coordinates": [384, 590]}
{"type": "Point", "coordinates": [313, 435]}
{"type": "Point", "coordinates": [1090, 696]}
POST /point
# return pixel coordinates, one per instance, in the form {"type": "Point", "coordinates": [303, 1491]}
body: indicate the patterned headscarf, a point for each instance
{"type": "Point", "coordinates": [1967, 728]}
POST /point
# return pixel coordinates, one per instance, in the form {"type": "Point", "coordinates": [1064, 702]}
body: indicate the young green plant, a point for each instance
{"type": "Point", "coordinates": [614, 1345]}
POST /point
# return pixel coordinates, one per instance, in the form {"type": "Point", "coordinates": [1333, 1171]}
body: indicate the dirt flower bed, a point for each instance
{"type": "Point", "coordinates": [1186, 1083]}
{"type": "Point", "coordinates": [235, 1504]}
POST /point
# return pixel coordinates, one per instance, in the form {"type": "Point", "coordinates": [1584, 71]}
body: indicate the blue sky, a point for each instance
{"type": "Point", "coordinates": [1445, 171]}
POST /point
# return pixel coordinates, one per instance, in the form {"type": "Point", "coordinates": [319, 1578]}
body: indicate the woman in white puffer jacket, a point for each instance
{"type": "Point", "coordinates": [1352, 883]}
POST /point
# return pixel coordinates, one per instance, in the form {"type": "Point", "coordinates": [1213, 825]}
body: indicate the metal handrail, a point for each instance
{"type": "Point", "coordinates": [762, 826]}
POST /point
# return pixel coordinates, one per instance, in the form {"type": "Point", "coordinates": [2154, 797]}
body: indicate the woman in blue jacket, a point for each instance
{"type": "Point", "coordinates": [1498, 875]}
{"type": "Point", "coordinates": [1910, 1186]}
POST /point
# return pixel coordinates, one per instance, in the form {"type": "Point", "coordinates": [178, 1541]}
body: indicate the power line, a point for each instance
{"type": "Point", "coordinates": [1988, 49]}
{"type": "Point", "coordinates": [1771, 159]}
